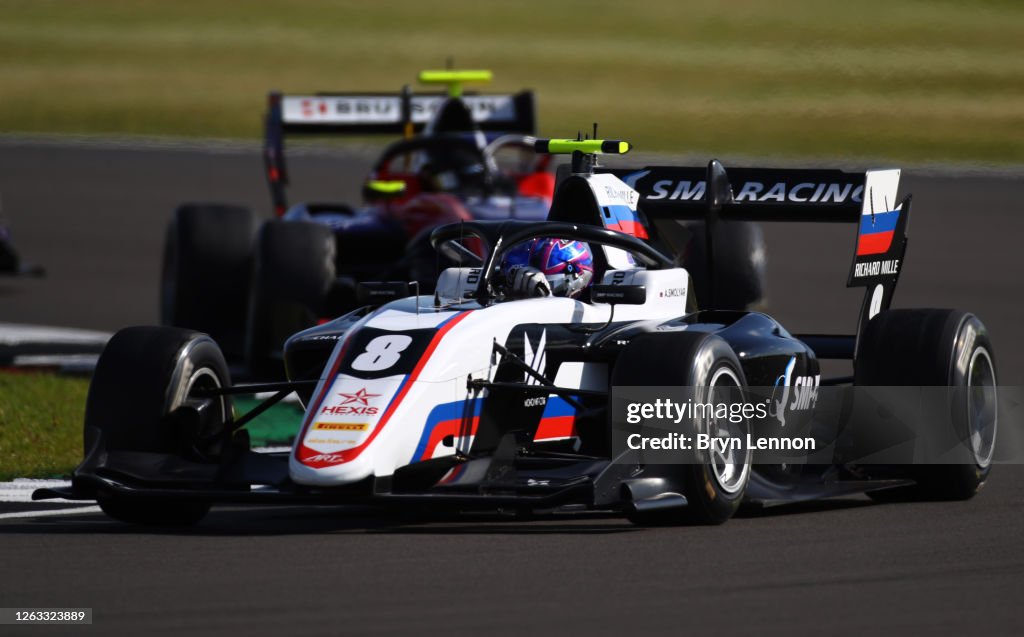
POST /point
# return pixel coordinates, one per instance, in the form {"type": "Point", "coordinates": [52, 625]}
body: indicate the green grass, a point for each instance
{"type": "Point", "coordinates": [275, 427]}
{"type": "Point", "coordinates": [915, 80]}
{"type": "Point", "coordinates": [41, 424]}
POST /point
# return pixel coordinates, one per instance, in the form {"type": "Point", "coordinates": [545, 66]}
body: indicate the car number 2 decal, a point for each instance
{"type": "Point", "coordinates": [381, 353]}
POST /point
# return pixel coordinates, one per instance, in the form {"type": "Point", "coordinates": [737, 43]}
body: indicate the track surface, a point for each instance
{"type": "Point", "coordinates": [94, 217]}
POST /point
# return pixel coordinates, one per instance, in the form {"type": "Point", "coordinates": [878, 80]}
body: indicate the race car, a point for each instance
{"type": "Point", "coordinates": [462, 157]}
{"type": "Point", "coordinates": [502, 390]}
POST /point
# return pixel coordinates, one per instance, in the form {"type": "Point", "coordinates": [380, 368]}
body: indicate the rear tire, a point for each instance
{"type": "Point", "coordinates": [292, 277]}
{"type": "Point", "coordinates": [207, 267]}
{"type": "Point", "coordinates": [9, 261]}
{"type": "Point", "coordinates": [714, 485]}
{"type": "Point", "coordinates": [144, 374]}
{"type": "Point", "coordinates": [923, 348]}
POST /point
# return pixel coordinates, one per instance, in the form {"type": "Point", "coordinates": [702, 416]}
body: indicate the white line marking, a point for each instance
{"type": "Point", "coordinates": [49, 513]}
{"type": "Point", "coordinates": [82, 362]}
{"type": "Point", "coordinates": [18, 334]}
{"type": "Point", "coordinates": [21, 489]}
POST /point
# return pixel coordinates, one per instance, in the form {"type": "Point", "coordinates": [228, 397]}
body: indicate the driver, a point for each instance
{"type": "Point", "coordinates": [546, 267]}
{"type": "Point", "coordinates": [451, 170]}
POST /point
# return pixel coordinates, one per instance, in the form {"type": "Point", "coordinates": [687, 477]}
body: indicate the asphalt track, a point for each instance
{"type": "Point", "coordinates": [94, 216]}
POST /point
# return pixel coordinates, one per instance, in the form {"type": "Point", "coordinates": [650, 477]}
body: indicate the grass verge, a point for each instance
{"type": "Point", "coordinates": [916, 80]}
{"type": "Point", "coordinates": [41, 424]}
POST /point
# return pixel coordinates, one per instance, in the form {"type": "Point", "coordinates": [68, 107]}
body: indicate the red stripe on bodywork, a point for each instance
{"type": "Point", "coordinates": [339, 457]}
{"type": "Point", "coordinates": [447, 428]}
{"type": "Point", "coordinates": [556, 427]}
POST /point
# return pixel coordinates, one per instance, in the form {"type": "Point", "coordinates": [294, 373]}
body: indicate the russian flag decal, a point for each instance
{"type": "Point", "coordinates": [876, 232]}
{"type": "Point", "coordinates": [623, 219]}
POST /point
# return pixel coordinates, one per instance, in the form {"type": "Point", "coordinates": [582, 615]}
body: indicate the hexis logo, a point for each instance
{"type": "Point", "coordinates": [361, 396]}
{"type": "Point", "coordinates": [355, 404]}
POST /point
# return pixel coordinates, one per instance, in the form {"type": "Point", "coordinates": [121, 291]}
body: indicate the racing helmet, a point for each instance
{"type": "Point", "coordinates": [567, 265]}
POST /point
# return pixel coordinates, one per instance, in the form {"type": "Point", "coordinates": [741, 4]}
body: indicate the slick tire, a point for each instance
{"type": "Point", "coordinates": [739, 265]}
{"type": "Point", "coordinates": [143, 375]}
{"type": "Point", "coordinates": [925, 347]}
{"type": "Point", "coordinates": [207, 266]}
{"type": "Point", "coordinates": [714, 485]}
{"type": "Point", "coordinates": [292, 278]}
{"type": "Point", "coordinates": [9, 261]}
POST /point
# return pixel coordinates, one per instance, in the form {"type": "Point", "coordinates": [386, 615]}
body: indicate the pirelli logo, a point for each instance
{"type": "Point", "coordinates": [340, 426]}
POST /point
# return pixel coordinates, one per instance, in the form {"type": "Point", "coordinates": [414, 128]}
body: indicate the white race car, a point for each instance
{"type": "Point", "coordinates": [497, 390]}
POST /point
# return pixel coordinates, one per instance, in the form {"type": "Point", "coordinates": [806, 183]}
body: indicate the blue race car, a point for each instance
{"type": "Point", "coordinates": [462, 157]}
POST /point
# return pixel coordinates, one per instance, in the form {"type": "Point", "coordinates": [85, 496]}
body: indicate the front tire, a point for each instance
{"type": "Point", "coordinates": [714, 483]}
{"type": "Point", "coordinates": [143, 375]}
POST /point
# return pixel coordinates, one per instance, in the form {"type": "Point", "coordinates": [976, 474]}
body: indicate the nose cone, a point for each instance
{"type": "Point", "coordinates": [334, 445]}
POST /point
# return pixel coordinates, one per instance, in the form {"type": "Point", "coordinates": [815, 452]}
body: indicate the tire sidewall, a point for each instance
{"type": "Point", "coordinates": [681, 359]}
{"type": "Point", "coordinates": [925, 347]}
{"type": "Point", "coordinates": [142, 375]}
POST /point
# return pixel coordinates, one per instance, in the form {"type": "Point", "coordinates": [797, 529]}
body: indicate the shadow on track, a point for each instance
{"type": "Point", "coordinates": [809, 506]}
{"type": "Point", "coordinates": [239, 521]}
{"type": "Point", "coordinates": [231, 521]}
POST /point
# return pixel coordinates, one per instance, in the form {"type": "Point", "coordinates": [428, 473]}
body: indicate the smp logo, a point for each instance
{"type": "Point", "coordinates": [804, 391]}
{"type": "Point", "coordinates": [780, 192]}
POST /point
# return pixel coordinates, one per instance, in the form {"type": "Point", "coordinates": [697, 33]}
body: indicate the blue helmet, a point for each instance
{"type": "Point", "coordinates": [567, 265]}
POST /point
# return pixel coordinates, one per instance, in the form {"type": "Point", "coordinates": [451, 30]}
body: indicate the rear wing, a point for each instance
{"type": "Point", "coordinates": [394, 113]}
{"type": "Point", "coordinates": [754, 194]}
{"type": "Point", "coordinates": [402, 113]}
{"type": "Point", "coordinates": [670, 194]}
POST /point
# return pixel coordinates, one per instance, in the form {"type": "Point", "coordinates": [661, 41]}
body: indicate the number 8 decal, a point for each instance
{"type": "Point", "coordinates": [381, 353]}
